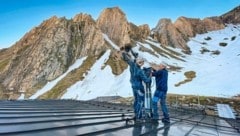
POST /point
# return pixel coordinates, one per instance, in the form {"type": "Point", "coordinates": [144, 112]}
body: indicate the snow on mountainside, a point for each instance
{"type": "Point", "coordinates": [214, 58]}
{"type": "Point", "coordinates": [216, 75]}
{"type": "Point", "coordinates": [51, 84]}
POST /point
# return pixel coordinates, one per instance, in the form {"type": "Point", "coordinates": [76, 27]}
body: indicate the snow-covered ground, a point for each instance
{"type": "Point", "coordinates": [100, 82]}
{"type": "Point", "coordinates": [216, 75]}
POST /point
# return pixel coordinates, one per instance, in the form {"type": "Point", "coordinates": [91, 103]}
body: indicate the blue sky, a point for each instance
{"type": "Point", "coordinates": [17, 17]}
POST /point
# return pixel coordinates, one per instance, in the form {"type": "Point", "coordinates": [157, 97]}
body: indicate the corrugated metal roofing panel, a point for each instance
{"type": "Point", "coordinates": [225, 111]}
{"type": "Point", "coordinates": [69, 118]}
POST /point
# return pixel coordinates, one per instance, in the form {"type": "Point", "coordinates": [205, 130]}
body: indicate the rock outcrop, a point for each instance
{"type": "Point", "coordinates": [48, 50]}
{"type": "Point", "coordinates": [113, 22]}
{"type": "Point", "coordinates": [177, 34]}
{"type": "Point", "coordinates": [139, 33]}
{"type": "Point", "coordinates": [231, 17]}
{"type": "Point", "coordinates": [168, 35]}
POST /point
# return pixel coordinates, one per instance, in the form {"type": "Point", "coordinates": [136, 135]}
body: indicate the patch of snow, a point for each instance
{"type": "Point", "coordinates": [100, 82]}
{"type": "Point", "coordinates": [225, 111]}
{"type": "Point", "coordinates": [109, 41]}
{"type": "Point", "coordinates": [51, 84]}
{"type": "Point", "coordinates": [21, 97]}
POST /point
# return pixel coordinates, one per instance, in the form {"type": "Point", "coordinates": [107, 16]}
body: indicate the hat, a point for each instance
{"type": "Point", "coordinates": [139, 61]}
{"type": "Point", "coordinates": [164, 63]}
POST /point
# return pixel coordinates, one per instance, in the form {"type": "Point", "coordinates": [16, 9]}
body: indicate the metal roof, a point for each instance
{"type": "Point", "coordinates": [70, 118]}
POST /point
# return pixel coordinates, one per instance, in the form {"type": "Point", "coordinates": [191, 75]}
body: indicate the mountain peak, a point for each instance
{"type": "Point", "coordinates": [83, 17]}
{"type": "Point", "coordinates": [113, 22]}
{"type": "Point", "coordinates": [114, 9]}
{"type": "Point", "coordinates": [52, 19]}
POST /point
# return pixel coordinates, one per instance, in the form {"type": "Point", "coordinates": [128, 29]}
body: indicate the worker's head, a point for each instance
{"type": "Point", "coordinates": [162, 65]}
{"type": "Point", "coordinates": [140, 61]}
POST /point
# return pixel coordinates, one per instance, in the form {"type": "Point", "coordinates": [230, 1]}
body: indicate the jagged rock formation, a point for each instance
{"type": "Point", "coordinates": [177, 34]}
{"type": "Point", "coordinates": [168, 35]}
{"type": "Point", "coordinates": [5, 57]}
{"type": "Point", "coordinates": [48, 50]}
{"type": "Point", "coordinates": [139, 33]}
{"type": "Point", "coordinates": [113, 22]}
{"type": "Point", "coordinates": [86, 34]}
{"type": "Point", "coordinates": [189, 27]}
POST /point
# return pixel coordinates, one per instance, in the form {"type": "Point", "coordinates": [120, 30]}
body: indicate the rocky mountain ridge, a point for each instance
{"type": "Point", "coordinates": [47, 51]}
{"type": "Point", "coordinates": [177, 34]}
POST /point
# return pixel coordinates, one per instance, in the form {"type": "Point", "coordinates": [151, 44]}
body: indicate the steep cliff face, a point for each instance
{"type": "Point", "coordinates": [177, 34]}
{"type": "Point", "coordinates": [5, 57]}
{"type": "Point", "coordinates": [113, 22]}
{"type": "Point", "coordinates": [168, 35]}
{"type": "Point", "coordinates": [139, 33]}
{"type": "Point", "coordinates": [91, 38]}
{"type": "Point", "coordinates": [49, 49]}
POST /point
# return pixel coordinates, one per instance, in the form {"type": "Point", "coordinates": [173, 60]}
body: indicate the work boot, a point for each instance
{"type": "Point", "coordinates": [155, 121]}
{"type": "Point", "coordinates": [166, 120]}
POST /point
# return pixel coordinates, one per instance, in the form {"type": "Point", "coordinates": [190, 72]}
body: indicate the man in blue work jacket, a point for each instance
{"type": "Point", "coordinates": [161, 76]}
{"type": "Point", "coordinates": [137, 77]}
